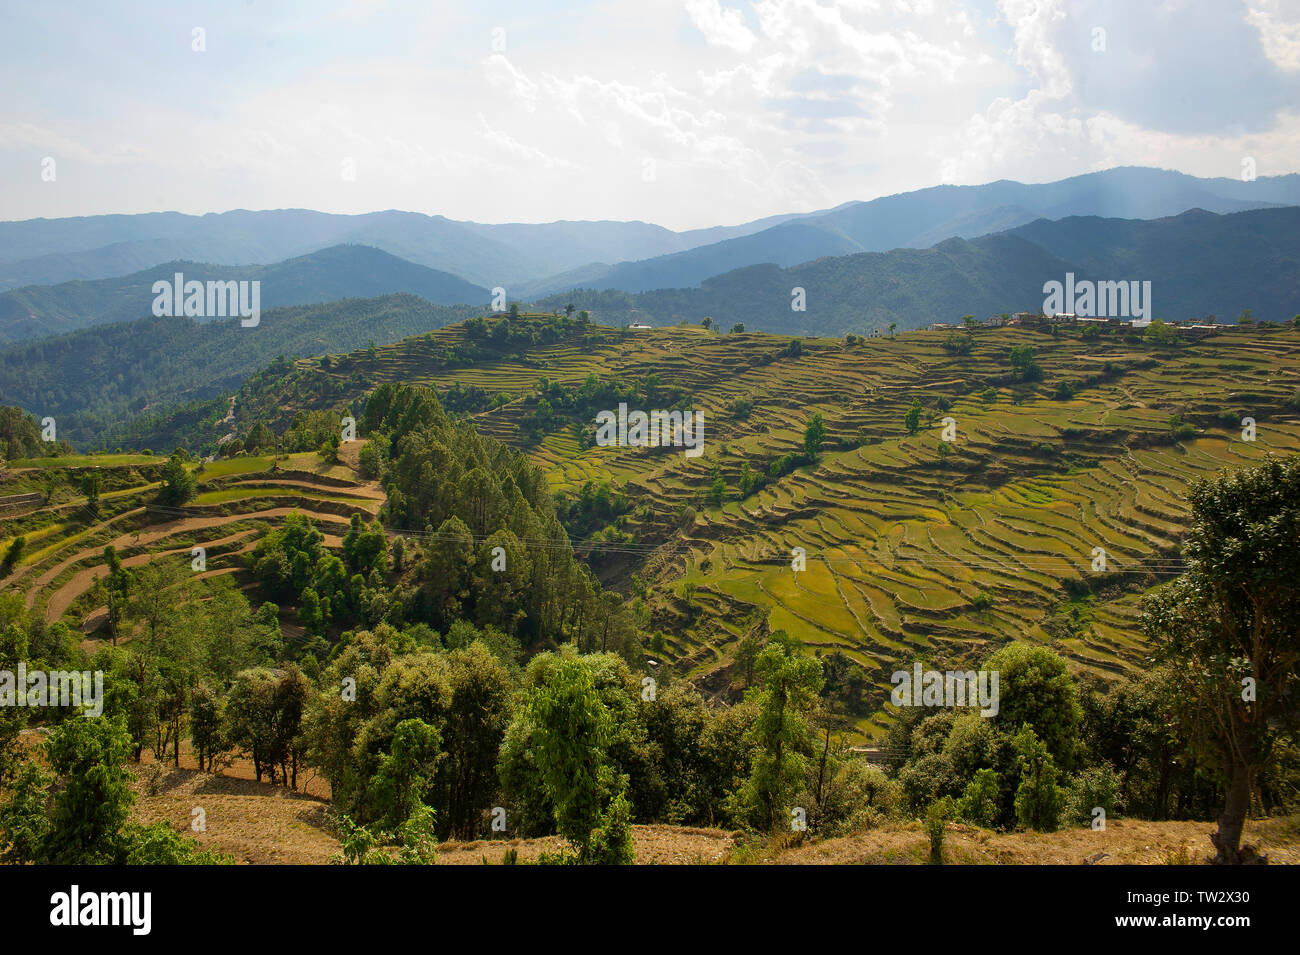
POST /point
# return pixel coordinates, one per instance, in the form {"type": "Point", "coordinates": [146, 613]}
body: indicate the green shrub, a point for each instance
{"type": "Point", "coordinates": [1096, 786]}
{"type": "Point", "coordinates": [979, 803]}
{"type": "Point", "coordinates": [1039, 800]}
{"type": "Point", "coordinates": [936, 823]}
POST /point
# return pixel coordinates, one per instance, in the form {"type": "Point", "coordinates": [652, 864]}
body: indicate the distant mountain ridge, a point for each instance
{"type": "Point", "coordinates": [928, 216]}
{"type": "Point", "coordinates": [51, 251]}
{"type": "Point", "coordinates": [95, 379]}
{"type": "Point", "coordinates": [530, 260]}
{"type": "Point", "coordinates": [1199, 263]}
{"type": "Point", "coordinates": [338, 272]}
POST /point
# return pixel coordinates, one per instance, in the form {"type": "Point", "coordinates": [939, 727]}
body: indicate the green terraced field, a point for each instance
{"type": "Point", "coordinates": [238, 500]}
{"type": "Point", "coordinates": [899, 543]}
{"type": "Point", "coordinates": [909, 552]}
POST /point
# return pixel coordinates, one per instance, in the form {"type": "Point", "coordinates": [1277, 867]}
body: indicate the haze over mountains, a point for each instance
{"type": "Point", "coordinates": [338, 272]}
{"type": "Point", "coordinates": [530, 260]}
{"type": "Point", "coordinates": [1207, 246]}
{"type": "Point", "coordinates": [1198, 264]}
{"type": "Point", "coordinates": [921, 219]}
{"type": "Point", "coordinates": [49, 251]}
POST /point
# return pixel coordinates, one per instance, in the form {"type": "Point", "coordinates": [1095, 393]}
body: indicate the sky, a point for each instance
{"type": "Point", "coordinates": [685, 113]}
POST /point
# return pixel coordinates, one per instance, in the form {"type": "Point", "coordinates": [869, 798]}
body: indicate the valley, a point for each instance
{"type": "Point", "coordinates": [915, 548]}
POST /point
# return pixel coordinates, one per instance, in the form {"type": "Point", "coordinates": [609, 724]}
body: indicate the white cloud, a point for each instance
{"type": "Point", "coordinates": [721, 27]}
{"type": "Point", "coordinates": [744, 108]}
{"type": "Point", "coordinates": [1278, 23]}
{"type": "Point", "coordinates": [530, 154]}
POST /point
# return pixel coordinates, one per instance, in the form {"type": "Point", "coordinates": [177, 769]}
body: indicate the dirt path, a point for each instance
{"type": "Point", "coordinates": [158, 532]}
{"type": "Point", "coordinates": [58, 568]}
{"type": "Point", "coordinates": [368, 492]}
{"type": "Point", "coordinates": [83, 579]}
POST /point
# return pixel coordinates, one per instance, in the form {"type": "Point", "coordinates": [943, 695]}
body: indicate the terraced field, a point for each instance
{"type": "Point", "coordinates": [910, 552]}
{"type": "Point", "coordinates": [237, 500]}
{"type": "Point", "coordinates": [1045, 519]}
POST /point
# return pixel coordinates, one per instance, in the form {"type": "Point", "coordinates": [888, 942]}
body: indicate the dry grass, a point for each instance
{"type": "Point", "coordinates": [1124, 842]}
{"type": "Point", "coordinates": [255, 822]}
{"type": "Point", "coordinates": [262, 824]}
{"type": "Point", "coordinates": [655, 845]}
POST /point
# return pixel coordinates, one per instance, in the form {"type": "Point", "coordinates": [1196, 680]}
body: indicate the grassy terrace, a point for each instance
{"type": "Point", "coordinates": [908, 553]}
{"type": "Point", "coordinates": [237, 501]}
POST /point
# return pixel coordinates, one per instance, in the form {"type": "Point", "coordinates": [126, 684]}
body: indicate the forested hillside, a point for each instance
{"type": "Point", "coordinates": [1198, 264]}
{"type": "Point", "coordinates": [106, 385]}
{"type": "Point", "coordinates": [926, 217]}
{"type": "Point", "coordinates": [344, 271]}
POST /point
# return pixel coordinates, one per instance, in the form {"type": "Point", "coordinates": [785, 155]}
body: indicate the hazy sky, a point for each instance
{"type": "Point", "coordinates": [682, 112]}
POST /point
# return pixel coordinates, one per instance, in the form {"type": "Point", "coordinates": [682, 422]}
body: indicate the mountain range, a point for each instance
{"type": "Point", "coordinates": [1199, 264]}
{"type": "Point", "coordinates": [531, 260]}
{"type": "Point", "coordinates": [95, 380]}
{"type": "Point", "coordinates": [926, 217]}
{"type": "Point", "coordinates": [338, 272]}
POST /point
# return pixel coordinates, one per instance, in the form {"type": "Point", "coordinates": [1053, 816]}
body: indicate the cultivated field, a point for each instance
{"type": "Point", "coordinates": [914, 547]}
{"type": "Point", "coordinates": [237, 501]}
{"type": "Point", "coordinates": [910, 549]}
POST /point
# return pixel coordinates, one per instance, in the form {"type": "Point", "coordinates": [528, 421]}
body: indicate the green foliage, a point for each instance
{"type": "Point", "coordinates": [573, 728]}
{"type": "Point", "coordinates": [955, 344]}
{"type": "Point", "coordinates": [417, 844]}
{"type": "Point", "coordinates": [207, 725]}
{"type": "Point", "coordinates": [813, 436]}
{"type": "Point", "coordinates": [92, 484]}
{"type": "Point", "coordinates": [24, 819]}
{"type": "Point", "coordinates": [1023, 365]}
{"type": "Point", "coordinates": [13, 554]}
{"type": "Point", "coordinates": [611, 843]}
{"type": "Point", "coordinates": [1159, 333]}
{"type": "Point", "coordinates": [78, 815]}
{"type": "Point", "coordinates": [265, 712]}
{"type": "Point", "coordinates": [470, 488]}
{"type": "Point", "coordinates": [979, 803]}
{"type": "Point", "coordinates": [1226, 628]}
{"type": "Point", "coordinates": [937, 815]}
{"type": "Point", "coordinates": [912, 420]}
{"type": "Point", "coordinates": [1035, 687]}
{"type": "Point", "coordinates": [404, 775]}
{"type": "Point", "coordinates": [159, 844]}
{"type": "Point", "coordinates": [20, 435]}
{"type": "Point", "coordinates": [718, 488]}
{"type": "Point", "coordinates": [1180, 430]}
{"type": "Point", "coordinates": [178, 484]}
{"type": "Point", "coordinates": [859, 796]}
{"type": "Point", "coordinates": [1039, 800]}
{"type": "Point", "coordinates": [787, 694]}
{"type": "Point", "coordinates": [1094, 787]}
